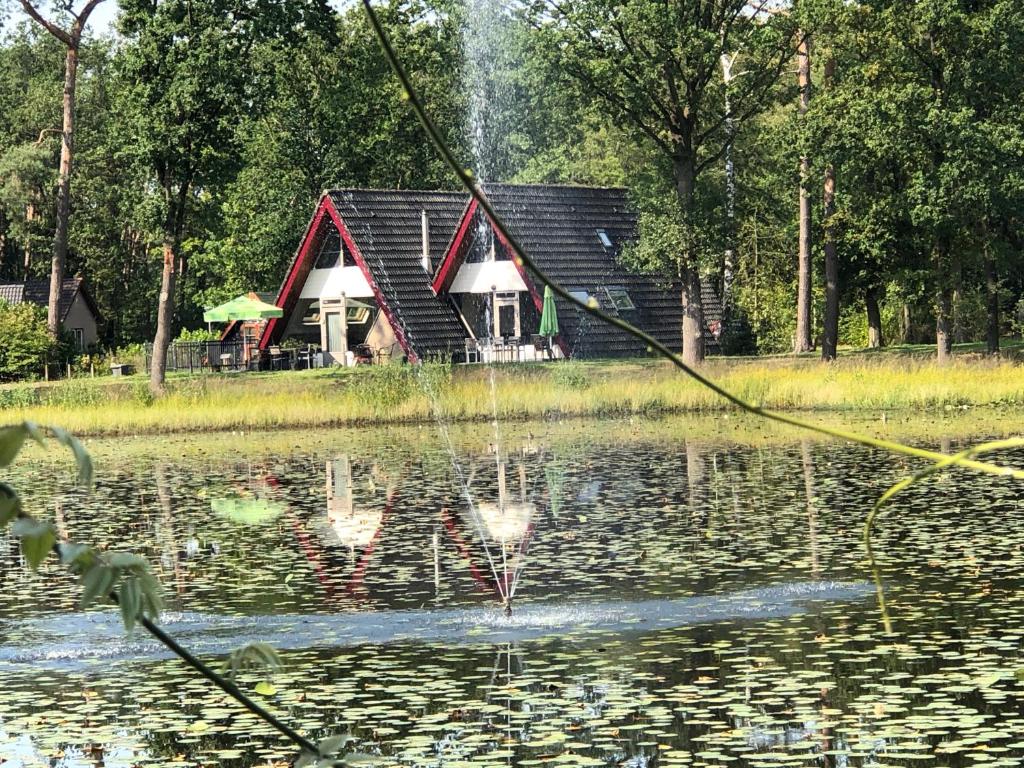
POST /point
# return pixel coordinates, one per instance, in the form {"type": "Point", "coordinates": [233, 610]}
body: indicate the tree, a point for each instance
{"type": "Point", "coordinates": [26, 340]}
{"type": "Point", "coordinates": [191, 76]}
{"type": "Point", "coordinates": [804, 341]}
{"type": "Point", "coordinates": [71, 38]}
{"type": "Point", "coordinates": [653, 67]}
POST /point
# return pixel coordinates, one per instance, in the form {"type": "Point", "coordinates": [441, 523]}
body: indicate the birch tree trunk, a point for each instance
{"type": "Point", "coordinates": [804, 342]}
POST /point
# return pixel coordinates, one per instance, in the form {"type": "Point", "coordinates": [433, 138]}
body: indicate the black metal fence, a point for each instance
{"type": "Point", "coordinates": [197, 356]}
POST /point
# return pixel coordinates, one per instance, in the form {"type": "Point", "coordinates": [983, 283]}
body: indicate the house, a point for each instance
{"type": "Point", "coordinates": [423, 274]}
{"type": "Point", "coordinates": [362, 275]}
{"type": "Point", "coordinates": [78, 313]}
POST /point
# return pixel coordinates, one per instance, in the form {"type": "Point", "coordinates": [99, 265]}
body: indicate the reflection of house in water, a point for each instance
{"type": "Point", "coordinates": [369, 541]}
{"type": "Point", "coordinates": [354, 526]}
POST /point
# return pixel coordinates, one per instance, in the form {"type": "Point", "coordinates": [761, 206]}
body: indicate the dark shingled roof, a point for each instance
{"type": "Point", "coordinates": [38, 292]}
{"type": "Point", "coordinates": [558, 226]}
{"type": "Point", "coordinates": [386, 228]}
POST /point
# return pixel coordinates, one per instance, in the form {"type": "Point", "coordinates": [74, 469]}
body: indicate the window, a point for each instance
{"type": "Point", "coordinates": [605, 240]}
{"type": "Point", "coordinates": [357, 315]}
{"type": "Point", "coordinates": [580, 295]}
{"type": "Point", "coordinates": [78, 334]}
{"type": "Point", "coordinates": [618, 297]}
{"type": "Point", "coordinates": [330, 255]}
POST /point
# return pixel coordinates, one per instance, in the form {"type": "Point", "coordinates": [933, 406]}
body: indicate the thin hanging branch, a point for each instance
{"type": "Point", "coordinates": [466, 178]}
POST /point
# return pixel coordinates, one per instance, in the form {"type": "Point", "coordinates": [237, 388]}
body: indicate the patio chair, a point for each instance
{"type": "Point", "coordinates": [472, 351]}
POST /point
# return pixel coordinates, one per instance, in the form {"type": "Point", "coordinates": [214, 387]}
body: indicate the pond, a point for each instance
{"type": "Point", "coordinates": [677, 600]}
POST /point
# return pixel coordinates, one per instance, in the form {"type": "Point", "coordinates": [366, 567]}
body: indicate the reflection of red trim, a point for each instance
{"type": "Point", "coordinates": [301, 265]}
{"type": "Point", "coordinates": [456, 252]}
{"type": "Point", "coordinates": [368, 274]}
{"type": "Point", "coordinates": [355, 581]}
{"type": "Point", "coordinates": [484, 582]}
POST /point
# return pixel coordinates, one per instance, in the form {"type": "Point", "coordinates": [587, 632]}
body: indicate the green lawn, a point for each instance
{"type": "Point", "coordinates": [893, 380]}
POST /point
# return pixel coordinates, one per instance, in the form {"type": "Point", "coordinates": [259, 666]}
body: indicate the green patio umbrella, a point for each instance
{"type": "Point", "coordinates": [549, 314]}
{"type": "Point", "coordinates": [242, 308]}
{"type": "Point", "coordinates": [247, 511]}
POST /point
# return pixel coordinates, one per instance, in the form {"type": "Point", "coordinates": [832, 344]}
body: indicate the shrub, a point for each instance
{"type": "Point", "coordinates": [26, 344]}
{"type": "Point", "coordinates": [199, 334]}
{"type": "Point", "coordinates": [570, 375]}
{"type": "Point", "coordinates": [384, 387]}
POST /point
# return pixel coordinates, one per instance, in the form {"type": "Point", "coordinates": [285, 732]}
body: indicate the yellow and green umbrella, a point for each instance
{"type": "Point", "coordinates": [242, 308]}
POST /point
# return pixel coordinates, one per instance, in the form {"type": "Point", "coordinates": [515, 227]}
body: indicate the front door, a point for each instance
{"type": "Point", "coordinates": [506, 314]}
{"type": "Point", "coordinates": [335, 333]}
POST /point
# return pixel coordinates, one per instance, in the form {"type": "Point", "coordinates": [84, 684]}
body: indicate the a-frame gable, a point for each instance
{"type": "Point", "coordinates": [326, 216]}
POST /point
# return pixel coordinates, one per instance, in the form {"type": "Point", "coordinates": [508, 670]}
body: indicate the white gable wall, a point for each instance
{"type": "Point", "coordinates": [486, 276]}
{"type": "Point", "coordinates": [336, 282]}
{"type": "Point", "coordinates": [80, 316]}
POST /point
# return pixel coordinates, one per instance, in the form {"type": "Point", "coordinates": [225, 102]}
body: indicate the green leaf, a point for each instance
{"type": "Point", "coordinates": [82, 458]}
{"type": "Point", "coordinates": [126, 560]}
{"type": "Point", "coordinates": [77, 556]}
{"type": "Point", "coordinates": [37, 539]}
{"type": "Point", "coordinates": [333, 744]}
{"type": "Point", "coordinates": [11, 441]}
{"type": "Point", "coordinates": [129, 597]}
{"type": "Point", "coordinates": [96, 581]}
{"type": "Point", "coordinates": [263, 688]}
{"type": "Point", "coordinates": [253, 656]}
{"type": "Point", "coordinates": [152, 602]}
{"type": "Point", "coordinates": [10, 504]}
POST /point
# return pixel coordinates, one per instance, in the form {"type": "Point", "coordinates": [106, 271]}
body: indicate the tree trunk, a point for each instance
{"type": "Point", "coordinates": [943, 303]}
{"type": "Point", "coordinates": [992, 292]}
{"type": "Point", "coordinates": [905, 323]}
{"type": "Point", "coordinates": [684, 168]}
{"type": "Point", "coordinates": [830, 331]}
{"type": "Point", "coordinates": [875, 340]}
{"type": "Point", "coordinates": [804, 342]}
{"type": "Point", "coordinates": [164, 318]}
{"type": "Point", "coordinates": [60, 238]}
{"type": "Point", "coordinates": [729, 257]}
{"type": "Point", "coordinates": [693, 318]}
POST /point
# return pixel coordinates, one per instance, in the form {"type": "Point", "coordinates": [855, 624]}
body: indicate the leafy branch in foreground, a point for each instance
{"type": "Point", "coordinates": [123, 578]}
{"type": "Point", "coordinates": [965, 459]}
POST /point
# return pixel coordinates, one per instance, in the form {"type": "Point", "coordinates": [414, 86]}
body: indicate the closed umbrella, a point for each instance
{"type": "Point", "coordinates": [549, 315]}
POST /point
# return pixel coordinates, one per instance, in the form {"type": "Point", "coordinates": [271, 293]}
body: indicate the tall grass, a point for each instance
{"type": "Point", "coordinates": [395, 395]}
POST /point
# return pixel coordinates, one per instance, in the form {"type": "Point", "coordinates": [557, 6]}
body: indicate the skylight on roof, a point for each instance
{"type": "Point", "coordinates": [605, 240]}
{"type": "Point", "coordinates": [619, 298]}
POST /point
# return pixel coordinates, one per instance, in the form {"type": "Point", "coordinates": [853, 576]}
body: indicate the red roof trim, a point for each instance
{"type": "Point", "coordinates": [538, 300]}
{"type": "Point", "coordinates": [287, 297]}
{"type": "Point", "coordinates": [377, 293]}
{"type": "Point", "coordinates": [449, 266]}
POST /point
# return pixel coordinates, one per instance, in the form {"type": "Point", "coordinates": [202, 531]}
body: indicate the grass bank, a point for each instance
{"type": "Point", "coordinates": [866, 385]}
